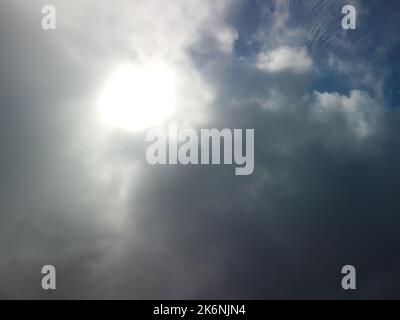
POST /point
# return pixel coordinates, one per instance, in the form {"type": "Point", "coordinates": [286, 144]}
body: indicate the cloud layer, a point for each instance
{"type": "Point", "coordinates": [78, 193]}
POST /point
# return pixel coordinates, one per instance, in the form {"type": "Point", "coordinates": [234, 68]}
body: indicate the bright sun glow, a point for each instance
{"type": "Point", "coordinates": [138, 97]}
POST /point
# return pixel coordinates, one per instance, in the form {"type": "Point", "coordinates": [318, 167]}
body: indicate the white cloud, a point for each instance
{"type": "Point", "coordinates": [226, 38]}
{"type": "Point", "coordinates": [273, 101]}
{"type": "Point", "coordinates": [361, 113]}
{"type": "Point", "coordinates": [284, 58]}
{"type": "Point", "coordinates": [98, 37]}
{"type": "Point", "coordinates": [102, 37]}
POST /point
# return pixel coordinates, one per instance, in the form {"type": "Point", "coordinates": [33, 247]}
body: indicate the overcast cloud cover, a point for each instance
{"type": "Point", "coordinates": [78, 194]}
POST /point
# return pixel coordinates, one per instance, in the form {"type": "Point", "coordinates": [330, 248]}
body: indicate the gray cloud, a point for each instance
{"type": "Point", "coordinates": [78, 194]}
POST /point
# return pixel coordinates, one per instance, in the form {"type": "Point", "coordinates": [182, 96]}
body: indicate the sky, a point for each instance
{"type": "Point", "coordinates": [76, 191]}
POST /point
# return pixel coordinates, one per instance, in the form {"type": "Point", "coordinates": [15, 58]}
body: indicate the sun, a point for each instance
{"type": "Point", "coordinates": [138, 96]}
